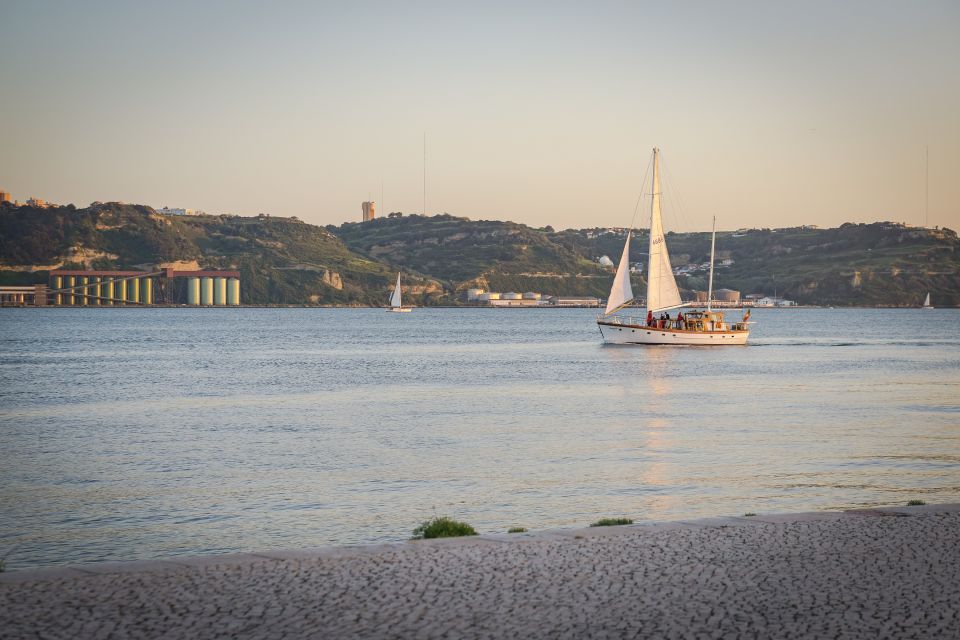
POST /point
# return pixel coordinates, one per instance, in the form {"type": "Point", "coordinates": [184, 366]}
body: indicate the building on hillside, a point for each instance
{"type": "Point", "coordinates": [474, 294]}
{"type": "Point", "coordinates": [369, 210]}
{"type": "Point", "coordinates": [167, 211]}
{"type": "Point", "coordinates": [40, 203]}
{"type": "Point", "coordinates": [4, 196]}
{"type": "Point", "coordinates": [605, 261]}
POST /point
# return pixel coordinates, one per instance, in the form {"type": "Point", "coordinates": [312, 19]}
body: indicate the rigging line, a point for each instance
{"type": "Point", "coordinates": [636, 208]}
{"type": "Point", "coordinates": [675, 200]}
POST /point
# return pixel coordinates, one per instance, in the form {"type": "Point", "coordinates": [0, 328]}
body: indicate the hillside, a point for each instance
{"type": "Point", "coordinates": [494, 255]}
{"type": "Point", "coordinates": [281, 260]}
{"type": "Point", "coordinates": [286, 261]}
{"type": "Point", "coordinates": [882, 263]}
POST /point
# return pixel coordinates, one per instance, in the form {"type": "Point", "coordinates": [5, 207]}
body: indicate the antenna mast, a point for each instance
{"type": "Point", "coordinates": [713, 241]}
{"type": "Point", "coordinates": [424, 173]}
{"type": "Point", "coordinates": [926, 198]}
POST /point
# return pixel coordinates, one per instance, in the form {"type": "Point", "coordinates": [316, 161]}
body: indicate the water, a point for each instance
{"type": "Point", "coordinates": [141, 433]}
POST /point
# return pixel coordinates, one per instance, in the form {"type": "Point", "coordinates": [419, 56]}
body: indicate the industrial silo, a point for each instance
{"type": "Point", "coordinates": [233, 291]}
{"type": "Point", "coordinates": [122, 290]}
{"type": "Point", "coordinates": [193, 291]}
{"type": "Point", "coordinates": [110, 291]}
{"type": "Point", "coordinates": [71, 282]}
{"type": "Point", "coordinates": [206, 291]}
{"type": "Point", "coordinates": [147, 290]}
{"type": "Point", "coordinates": [58, 284]}
{"type": "Point", "coordinates": [219, 291]}
{"type": "Point", "coordinates": [134, 290]}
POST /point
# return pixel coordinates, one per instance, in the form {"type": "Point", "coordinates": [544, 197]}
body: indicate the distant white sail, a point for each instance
{"type": "Point", "coordinates": [926, 303]}
{"type": "Point", "coordinates": [395, 298]}
{"type": "Point", "coordinates": [621, 292]}
{"type": "Point", "coordinates": [662, 292]}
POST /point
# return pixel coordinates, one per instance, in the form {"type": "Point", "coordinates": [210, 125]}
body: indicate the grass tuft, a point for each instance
{"type": "Point", "coordinates": [916, 503]}
{"type": "Point", "coordinates": [749, 514]}
{"type": "Point", "coordinates": [611, 522]}
{"type": "Point", "coordinates": [443, 527]}
{"type": "Point", "coordinates": [517, 530]}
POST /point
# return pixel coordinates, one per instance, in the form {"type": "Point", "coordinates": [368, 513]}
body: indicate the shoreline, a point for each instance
{"type": "Point", "coordinates": [864, 573]}
{"type": "Point", "coordinates": [107, 567]}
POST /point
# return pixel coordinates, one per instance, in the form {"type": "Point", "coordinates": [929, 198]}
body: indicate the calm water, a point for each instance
{"type": "Point", "coordinates": [132, 434]}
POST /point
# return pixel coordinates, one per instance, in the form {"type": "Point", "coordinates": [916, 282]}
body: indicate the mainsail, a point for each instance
{"type": "Point", "coordinates": [395, 298]}
{"type": "Point", "coordinates": [621, 293]}
{"type": "Point", "coordinates": [662, 292]}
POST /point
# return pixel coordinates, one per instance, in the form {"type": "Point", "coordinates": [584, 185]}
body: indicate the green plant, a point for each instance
{"type": "Point", "coordinates": [443, 527]}
{"type": "Point", "coordinates": [749, 514]}
{"type": "Point", "coordinates": [916, 503]}
{"type": "Point", "coordinates": [517, 530]}
{"type": "Point", "coordinates": [611, 522]}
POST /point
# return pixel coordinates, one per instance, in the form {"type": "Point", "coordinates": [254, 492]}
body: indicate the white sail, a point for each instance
{"type": "Point", "coordinates": [621, 293]}
{"type": "Point", "coordinates": [395, 298]}
{"type": "Point", "coordinates": [662, 292]}
{"type": "Point", "coordinates": [926, 302]}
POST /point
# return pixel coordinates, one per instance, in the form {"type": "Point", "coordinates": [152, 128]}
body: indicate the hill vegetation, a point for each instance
{"type": "Point", "coordinates": [286, 261]}
{"type": "Point", "coordinates": [281, 260]}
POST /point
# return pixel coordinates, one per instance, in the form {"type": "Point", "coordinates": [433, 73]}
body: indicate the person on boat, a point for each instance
{"type": "Point", "coordinates": [649, 318]}
{"type": "Point", "coordinates": [679, 319]}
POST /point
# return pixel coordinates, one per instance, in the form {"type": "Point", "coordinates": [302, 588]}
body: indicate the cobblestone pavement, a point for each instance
{"type": "Point", "coordinates": [868, 574]}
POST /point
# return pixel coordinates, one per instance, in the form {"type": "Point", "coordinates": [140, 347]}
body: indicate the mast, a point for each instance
{"type": "Point", "coordinates": [713, 242]}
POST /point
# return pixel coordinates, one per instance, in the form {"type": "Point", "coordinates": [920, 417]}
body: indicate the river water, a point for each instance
{"type": "Point", "coordinates": [142, 433]}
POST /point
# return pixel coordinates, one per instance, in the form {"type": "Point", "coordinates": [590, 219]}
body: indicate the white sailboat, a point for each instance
{"type": "Point", "coordinates": [396, 306]}
{"type": "Point", "coordinates": [926, 303]}
{"type": "Point", "coordinates": [697, 327]}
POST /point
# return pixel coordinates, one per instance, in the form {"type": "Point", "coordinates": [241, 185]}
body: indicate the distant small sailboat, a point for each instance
{"type": "Point", "coordinates": [697, 328]}
{"type": "Point", "coordinates": [926, 303]}
{"type": "Point", "coordinates": [396, 306]}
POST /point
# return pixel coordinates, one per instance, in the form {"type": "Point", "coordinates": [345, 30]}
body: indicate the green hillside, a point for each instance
{"type": "Point", "coordinates": [882, 263]}
{"type": "Point", "coordinates": [281, 260]}
{"type": "Point", "coordinates": [499, 256]}
{"type": "Point", "coordinates": [286, 261]}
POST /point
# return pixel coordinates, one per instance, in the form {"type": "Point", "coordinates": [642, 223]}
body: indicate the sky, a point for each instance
{"type": "Point", "coordinates": [768, 114]}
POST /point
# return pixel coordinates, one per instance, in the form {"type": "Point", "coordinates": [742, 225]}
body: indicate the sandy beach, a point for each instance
{"type": "Point", "coordinates": [886, 572]}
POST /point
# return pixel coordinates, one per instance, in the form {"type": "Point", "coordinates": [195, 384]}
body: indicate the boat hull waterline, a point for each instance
{"type": "Point", "coordinates": [617, 333]}
{"type": "Point", "coordinates": [399, 310]}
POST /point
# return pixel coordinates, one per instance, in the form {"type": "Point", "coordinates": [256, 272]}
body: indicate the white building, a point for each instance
{"type": "Point", "coordinates": [167, 211]}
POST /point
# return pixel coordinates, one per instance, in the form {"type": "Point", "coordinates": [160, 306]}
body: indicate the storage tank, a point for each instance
{"type": "Point", "coordinates": [531, 295]}
{"type": "Point", "coordinates": [726, 295]}
{"type": "Point", "coordinates": [493, 295]}
{"type": "Point", "coordinates": [474, 294]}
{"type": "Point", "coordinates": [510, 295]}
{"type": "Point", "coordinates": [220, 291]}
{"type": "Point", "coordinates": [97, 291]}
{"type": "Point", "coordinates": [110, 290]}
{"type": "Point", "coordinates": [58, 284]}
{"type": "Point", "coordinates": [134, 290]}
{"type": "Point", "coordinates": [71, 281]}
{"type": "Point", "coordinates": [147, 290]}
{"type": "Point", "coordinates": [702, 297]}
{"type": "Point", "coordinates": [122, 289]}
{"type": "Point", "coordinates": [84, 300]}
{"type": "Point", "coordinates": [193, 291]}
{"type": "Point", "coordinates": [206, 291]}
{"type": "Point", "coordinates": [233, 291]}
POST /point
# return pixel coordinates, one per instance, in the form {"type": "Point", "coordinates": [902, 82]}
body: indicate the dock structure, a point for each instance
{"type": "Point", "coordinates": [71, 287]}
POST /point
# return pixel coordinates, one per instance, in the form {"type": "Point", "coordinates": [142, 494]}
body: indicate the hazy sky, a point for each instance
{"type": "Point", "coordinates": [767, 113]}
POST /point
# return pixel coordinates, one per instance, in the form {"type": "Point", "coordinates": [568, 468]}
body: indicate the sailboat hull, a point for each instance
{"type": "Point", "coordinates": [399, 309]}
{"type": "Point", "coordinates": [615, 333]}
